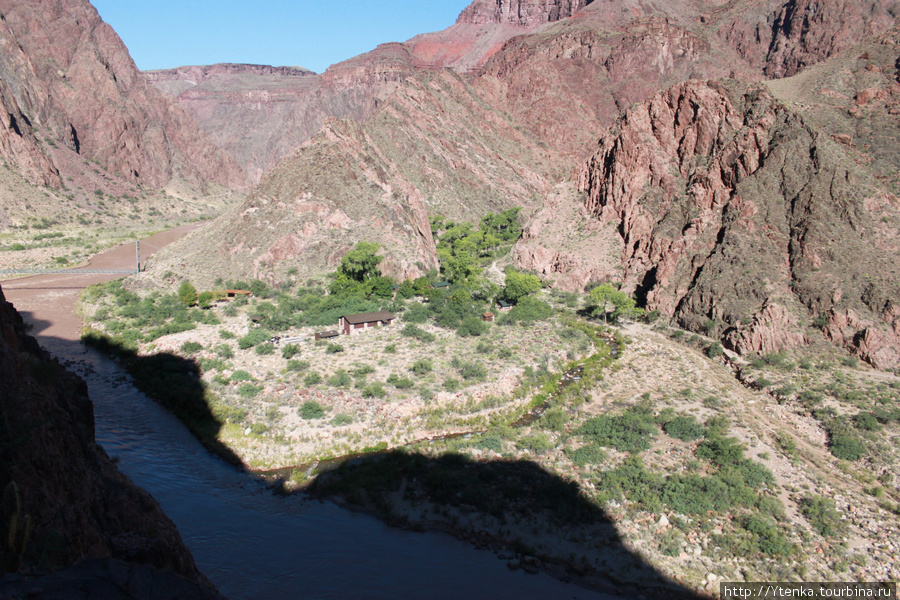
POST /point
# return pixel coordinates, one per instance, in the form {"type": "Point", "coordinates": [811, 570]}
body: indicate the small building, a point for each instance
{"type": "Point", "coordinates": [236, 293]}
{"type": "Point", "coordinates": [504, 305]}
{"type": "Point", "coordinates": [438, 285]}
{"type": "Point", "coordinates": [350, 324]}
{"type": "Point", "coordinates": [488, 316]}
{"type": "Point", "coordinates": [324, 335]}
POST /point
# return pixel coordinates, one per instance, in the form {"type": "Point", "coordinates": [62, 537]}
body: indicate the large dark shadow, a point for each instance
{"type": "Point", "coordinates": [176, 383]}
{"type": "Point", "coordinates": [515, 493]}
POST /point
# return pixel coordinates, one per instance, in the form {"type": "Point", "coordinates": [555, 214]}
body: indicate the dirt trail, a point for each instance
{"type": "Point", "coordinates": [48, 301]}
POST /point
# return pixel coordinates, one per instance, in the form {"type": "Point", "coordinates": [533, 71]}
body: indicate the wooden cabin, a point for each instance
{"type": "Point", "coordinates": [352, 324]}
{"type": "Point", "coordinates": [488, 317]}
{"type": "Point", "coordinates": [324, 335]}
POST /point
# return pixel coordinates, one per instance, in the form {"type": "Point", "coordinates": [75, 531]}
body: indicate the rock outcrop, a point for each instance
{"type": "Point", "coordinates": [67, 73]}
{"type": "Point", "coordinates": [742, 217]}
{"type": "Point", "coordinates": [526, 13]}
{"type": "Point", "coordinates": [260, 114]}
{"type": "Point", "coordinates": [78, 504]}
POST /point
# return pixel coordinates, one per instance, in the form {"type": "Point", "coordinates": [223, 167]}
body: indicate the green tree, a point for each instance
{"type": "Point", "coordinates": [519, 285]}
{"type": "Point", "coordinates": [187, 293]}
{"type": "Point", "coordinates": [361, 263]}
{"type": "Point", "coordinates": [603, 297]}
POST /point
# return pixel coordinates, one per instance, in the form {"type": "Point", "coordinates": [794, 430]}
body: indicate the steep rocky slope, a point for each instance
{"type": "Point", "coordinates": [78, 504]}
{"type": "Point", "coordinates": [260, 114]}
{"type": "Point", "coordinates": [435, 147]}
{"type": "Point", "coordinates": [69, 82]}
{"type": "Point", "coordinates": [750, 219]}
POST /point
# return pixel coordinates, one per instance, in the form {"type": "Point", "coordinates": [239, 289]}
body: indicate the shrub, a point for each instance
{"type": "Point", "coordinates": [684, 428]}
{"type": "Point", "coordinates": [310, 410]}
{"type": "Point", "coordinates": [341, 419]}
{"type": "Point", "coordinates": [847, 447]}
{"type": "Point", "coordinates": [538, 443]}
{"type": "Point", "coordinates": [415, 332]}
{"type": "Point", "coordinates": [469, 371]}
{"type": "Point", "coordinates": [422, 366]}
{"type": "Point", "coordinates": [265, 349]}
{"type": "Point", "coordinates": [864, 420]}
{"type": "Point", "coordinates": [290, 351]}
{"type": "Point", "coordinates": [451, 385]}
{"type": "Point", "coordinates": [312, 379]}
{"type": "Point", "coordinates": [249, 390]}
{"type": "Point", "coordinates": [223, 351]}
{"type": "Point", "coordinates": [472, 327]}
{"type": "Point", "coordinates": [589, 454]}
{"type": "Point", "coordinates": [205, 299]}
{"type": "Point", "coordinates": [374, 390]}
{"type": "Point", "coordinates": [555, 419]}
{"type": "Point", "coordinates": [417, 313]}
{"type": "Point", "coordinates": [240, 375]}
{"type": "Point", "coordinates": [721, 450]}
{"type": "Point", "coordinates": [715, 350]}
{"type": "Point", "coordinates": [254, 337]}
{"type": "Point", "coordinates": [226, 335]}
{"type": "Point", "coordinates": [822, 515]}
{"type": "Point", "coordinates": [390, 349]}
{"type": "Point", "coordinates": [529, 309]}
{"type": "Point", "coordinates": [191, 347]}
{"type": "Point", "coordinates": [296, 365]}
{"type": "Point", "coordinates": [340, 379]}
{"type": "Point", "coordinates": [401, 383]}
{"type": "Point", "coordinates": [631, 431]}
{"type": "Point", "coordinates": [187, 293]}
{"type": "Point", "coordinates": [333, 348]}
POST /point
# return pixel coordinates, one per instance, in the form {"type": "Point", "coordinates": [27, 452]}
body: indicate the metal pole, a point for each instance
{"type": "Point", "coordinates": [137, 255]}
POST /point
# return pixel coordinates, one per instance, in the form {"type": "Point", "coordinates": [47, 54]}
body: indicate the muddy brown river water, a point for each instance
{"type": "Point", "coordinates": [251, 543]}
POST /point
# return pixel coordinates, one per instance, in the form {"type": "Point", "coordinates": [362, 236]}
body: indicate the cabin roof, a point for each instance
{"type": "Point", "coordinates": [370, 317]}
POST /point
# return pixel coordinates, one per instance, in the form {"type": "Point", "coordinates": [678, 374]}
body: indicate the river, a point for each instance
{"type": "Point", "coordinates": [251, 543]}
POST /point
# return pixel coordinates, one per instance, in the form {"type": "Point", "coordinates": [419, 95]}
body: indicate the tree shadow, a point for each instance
{"type": "Point", "coordinates": [507, 505]}
{"type": "Point", "coordinates": [174, 382]}
{"type": "Point", "coordinates": [33, 325]}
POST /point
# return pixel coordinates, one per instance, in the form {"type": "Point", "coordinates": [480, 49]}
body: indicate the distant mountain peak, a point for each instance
{"type": "Point", "coordinates": [526, 13]}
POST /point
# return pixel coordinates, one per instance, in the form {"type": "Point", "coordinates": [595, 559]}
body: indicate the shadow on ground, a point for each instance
{"type": "Point", "coordinates": [523, 502]}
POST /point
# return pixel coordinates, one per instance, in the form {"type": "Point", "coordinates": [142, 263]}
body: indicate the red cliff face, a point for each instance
{"type": "Point", "coordinates": [526, 13]}
{"type": "Point", "coordinates": [72, 77]}
{"type": "Point", "coordinates": [741, 217]}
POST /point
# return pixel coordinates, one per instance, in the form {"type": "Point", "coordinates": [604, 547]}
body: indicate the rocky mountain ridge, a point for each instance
{"type": "Point", "coordinates": [69, 86]}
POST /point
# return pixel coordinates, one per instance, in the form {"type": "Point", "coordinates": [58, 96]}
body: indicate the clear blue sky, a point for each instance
{"type": "Point", "coordinates": [170, 33]}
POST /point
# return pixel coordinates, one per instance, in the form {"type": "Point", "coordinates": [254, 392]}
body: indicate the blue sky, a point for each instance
{"type": "Point", "coordinates": [170, 33]}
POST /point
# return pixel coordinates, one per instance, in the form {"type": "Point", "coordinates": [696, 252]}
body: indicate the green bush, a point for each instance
{"type": "Point", "coordinates": [451, 385]}
{"type": "Point", "coordinates": [241, 375]}
{"type": "Point", "coordinates": [340, 379]}
{"type": "Point", "coordinates": [290, 351]}
{"type": "Point", "coordinates": [417, 313]}
{"type": "Point", "coordinates": [265, 349]}
{"type": "Point", "coordinates": [589, 454]}
{"type": "Point", "coordinates": [470, 371]}
{"type": "Point", "coordinates": [422, 366]}
{"type": "Point", "coordinates": [310, 410]}
{"type": "Point", "coordinates": [554, 419]}
{"type": "Point", "coordinates": [401, 383]}
{"type": "Point", "coordinates": [415, 332]}
{"type": "Point", "coordinates": [721, 450]}
{"type": "Point", "coordinates": [847, 447]}
{"type": "Point", "coordinates": [684, 428]}
{"type": "Point", "coordinates": [312, 379]}
{"type": "Point", "coordinates": [472, 327]}
{"type": "Point", "coordinates": [249, 390]}
{"type": "Point", "coordinates": [865, 420]}
{"type": "Point", "coordinates": [254, 337]}
{"type": "Point", "coordinates": [715, 350]}
{"type": "Point", "coordinates": [632, 431]}
{"type": "Point", "coordinates": [538, 443]}
{"type": "Point", "coordinates": [226, 335]}
{"type": "Point", "coordinates": [822, 515]}
{"type": "Point", "coordinates": [341, 419]}
{"type": "Point", "coordinates": [296, 365]}
{"type": "Point", "coordinates": [187, 293]}
{"type": "Point", "coordinates": [334, 348]}
{"type": "Point", "coordinates": [223, 351]}
{"type": "Point", "coordinates": [374, 390]}
{"type": "Point", "coordinates": [191, 347]}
